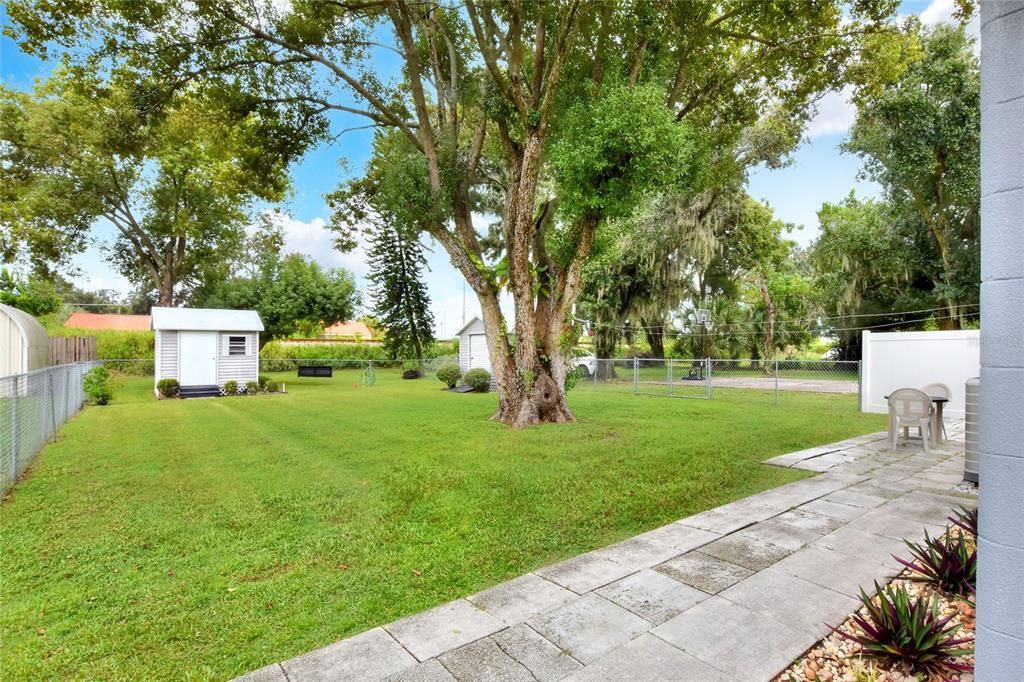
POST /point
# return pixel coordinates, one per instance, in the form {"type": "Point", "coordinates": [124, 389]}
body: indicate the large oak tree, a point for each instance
{"type": "Point", "coordinates": [565, 114]}
{"type": "Point", "coordinates": [175, 178]}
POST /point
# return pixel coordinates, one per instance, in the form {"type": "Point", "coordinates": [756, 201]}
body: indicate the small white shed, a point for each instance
{"type": "Point", "coordinates": [473, 351]}
{"type": "Point", "coordinates": [205, 347]}
{"type": "Point", "coordinates": [24, 344]}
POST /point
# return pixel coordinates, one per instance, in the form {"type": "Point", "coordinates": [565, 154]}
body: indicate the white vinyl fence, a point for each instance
{"type": "Point", "coordinates": [33, 406]}
{"type": "Point", "coordinates": [893, 360]}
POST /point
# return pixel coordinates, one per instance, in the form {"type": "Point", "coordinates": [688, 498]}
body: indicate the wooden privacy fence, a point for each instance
{"type": "Point", "coordinates": [65, 350]}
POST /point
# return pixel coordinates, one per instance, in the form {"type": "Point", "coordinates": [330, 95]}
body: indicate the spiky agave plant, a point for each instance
{"type": "Point", "coordinates": [900, 630]}
{"type": "Point", "coordinates": [966, 519]}
{"type": "Point", "coordinates": [949, 563]}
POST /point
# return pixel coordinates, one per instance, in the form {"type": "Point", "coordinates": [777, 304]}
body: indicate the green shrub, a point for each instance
{"type": "Point", "coordinates": [252, 387]}
{"type": "Point", "coordinates": [263, 380]}
{"type": "Point", "coordinates": [949, 563]}
{"type": "Point", "coordinates": [908, 632]}
{"type": "Point", "coordinates": [271, 386]}
{"type": "Point", "coordinates": [123, 352]}
{"type": "Point", "coordinates": [449, 374]}
{"type": "Point", "coordinates": [168, 387]}
{"type": "Point", "coordinates": [96, 384]}
{"type": "Point", "coordinates": [231, 387]}
{"type": "Point", "coordinates": [966, 519]}
{"type": "Point", "coordinates": [478, 379]}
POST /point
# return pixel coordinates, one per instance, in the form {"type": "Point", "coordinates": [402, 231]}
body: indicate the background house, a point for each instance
{"type": "Point", "coordinates": [353, 329]}
{"type": "Point", "coordinates": [203, 348]}
{"type": "Point", "coordinates": [83, 320]}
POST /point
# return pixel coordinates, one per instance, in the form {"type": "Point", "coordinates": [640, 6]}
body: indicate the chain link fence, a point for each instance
{"type": "Point", "coordinates": [705, 379]}
{"type": "Point", "coordinates": [33, 406]}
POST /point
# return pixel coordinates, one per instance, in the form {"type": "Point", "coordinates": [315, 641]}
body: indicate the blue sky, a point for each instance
{"type": "Point", "coordinates": [818, 173]}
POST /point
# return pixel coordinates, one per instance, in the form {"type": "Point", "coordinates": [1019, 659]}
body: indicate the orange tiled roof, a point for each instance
{"type": "Point", "coordinates": [80, 320]}
{"type": "Point", "coordinates": [351, 328]}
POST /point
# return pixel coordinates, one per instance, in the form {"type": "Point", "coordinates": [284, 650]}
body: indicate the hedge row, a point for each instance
{"type": "Point", "coordinates": [279, 357]}
{"type": "Point", "coordinates": [131, 352]}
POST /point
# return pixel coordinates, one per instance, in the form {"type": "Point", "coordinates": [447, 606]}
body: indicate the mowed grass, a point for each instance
{"type": "Point", "coordinates": [202, 539]}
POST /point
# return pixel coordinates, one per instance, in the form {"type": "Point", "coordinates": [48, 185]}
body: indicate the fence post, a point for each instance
{"type": "Point", "coordinates": [669, 376]}
{"type": "Point", "coordinates": [776, 363]}
{"type": "Point", "coordinates": [707, 378]}
{"type": "Point", "coordinates": [14, 429]}
{"type": "Point", "coordinates": [53, 406]}
{"type": "Point", "coordinates": [636, 376]}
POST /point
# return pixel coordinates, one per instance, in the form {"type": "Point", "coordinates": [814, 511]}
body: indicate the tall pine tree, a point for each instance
{"type": "Point", "coordinates": [400, 299]}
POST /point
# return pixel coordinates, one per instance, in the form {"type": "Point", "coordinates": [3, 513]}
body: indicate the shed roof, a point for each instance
{"type": "Point", "coordinates": [82, 320]}
{"type": "Point", "coordinates": [475, 320]}
{"type": "Point", "coordinates": [207, 319]}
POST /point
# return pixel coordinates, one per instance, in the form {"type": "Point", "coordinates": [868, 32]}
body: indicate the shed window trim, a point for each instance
{"type": "Point", "coordinates": [238, 345]}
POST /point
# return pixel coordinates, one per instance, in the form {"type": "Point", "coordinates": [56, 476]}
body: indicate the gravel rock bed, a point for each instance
{"type": "Point", "coordinates": [835, 659]}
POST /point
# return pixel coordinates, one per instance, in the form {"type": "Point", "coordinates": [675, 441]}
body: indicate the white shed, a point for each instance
{"type": "Point", "coordinates": [24, 344]}
{"type": "Point", "coordinates": [473, 351]}
{"type": "Point", "coordinates": [203, 348]}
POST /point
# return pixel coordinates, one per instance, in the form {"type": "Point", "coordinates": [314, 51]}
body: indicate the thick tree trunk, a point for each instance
{"type": "Point", "coordinates": [605, 339]}
{"type": "Point", "coordinates": [655, 338]}
{"type": "Point", "coordinates": [166, 290]}
{"type": "Point", "coordinates": [769, 304]}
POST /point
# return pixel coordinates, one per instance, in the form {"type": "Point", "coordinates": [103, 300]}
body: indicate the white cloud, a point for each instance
{"type": "Point", "coordinates": [315, 240]}
{"type": "Point", "coordinates": [937, 11]}
{"type": "Point", "coordinates": [941, 11]}
{"type": "Point", "coordinates": [835, 114]}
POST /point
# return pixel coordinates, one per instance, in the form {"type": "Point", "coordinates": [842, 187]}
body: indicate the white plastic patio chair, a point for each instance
{"type": "Point", "coordinates": [910, 407]}
{"type": "Point", "coordinates": [941, 390]}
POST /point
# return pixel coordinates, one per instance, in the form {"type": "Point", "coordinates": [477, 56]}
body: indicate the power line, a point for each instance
{"type": "Point", "coordinates": [812, 320]}
{"type": "Point", "coordinates": [744, 334]}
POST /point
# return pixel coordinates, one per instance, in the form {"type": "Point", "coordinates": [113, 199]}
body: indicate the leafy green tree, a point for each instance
{"type": "Point", "coordinates": [174, 180]}
{"type": "Point", "coordinates": [862, 265]}
{"type": "Point", "coordinates": [292, 295]}
{"type": "Point", "coordinates": [565, 113]}
{"type": "Point", "coordinates": [919, 137]}
{"type": "Point", "coordinates": [34, 295]}
{"type": "Point", "coordinates": [401, 303]}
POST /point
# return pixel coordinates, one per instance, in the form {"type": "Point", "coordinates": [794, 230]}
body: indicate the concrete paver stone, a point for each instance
{"type": "Point", "coordinates": [746, 551]}
{"type": "Point", "coordinates": [681, 537]}
{"type": "Point", "coordinates": [371, 655]}
{"type": "Point", "coordinates": [791, 600]}
{"type": "Point", "coordinates": [484, 660]}
{"type": "Point", "coordinates": [545, 661]}
{"type": "Point", "coordinates": [650, 659]}
{"type": "Point", "coordinates": [521, 598]}
{"type": "Point", "coordinates": [584, 573]}
{"type": "Point", "coordinates": [428, 671]}
{"type": "Point", "coordinates": [445, 627]}
{"type": "Point", "coordinates": [703, 571]}
{"type": "Point", "coordinates": [652, 595]}
{"type": "Point", "coordinates": [637, 553]}
{"type": "Point", "coordinates": [745, 644]}
{"type": "Point", "coordinates": [589, 627]}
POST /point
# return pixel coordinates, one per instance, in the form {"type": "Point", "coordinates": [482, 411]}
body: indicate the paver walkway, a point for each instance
{"type": "Point", "coordinates": [734, 593]}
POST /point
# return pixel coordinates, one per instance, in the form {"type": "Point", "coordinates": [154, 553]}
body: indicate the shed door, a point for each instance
{"type": "Point", "coordinates": [478, 356]}
{"type": "Point", "coordinates": [198, 358]}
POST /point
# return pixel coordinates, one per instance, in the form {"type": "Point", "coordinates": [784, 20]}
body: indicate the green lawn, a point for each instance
{"type": "Point", "coordinates": [202, 539]}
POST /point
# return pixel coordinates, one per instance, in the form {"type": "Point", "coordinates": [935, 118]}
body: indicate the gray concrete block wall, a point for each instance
{"type": "Point", "coordinates": [1000, 631]}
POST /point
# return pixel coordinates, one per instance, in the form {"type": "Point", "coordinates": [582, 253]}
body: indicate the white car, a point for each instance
{"type": "Point", "coordinates": [584, 365]}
